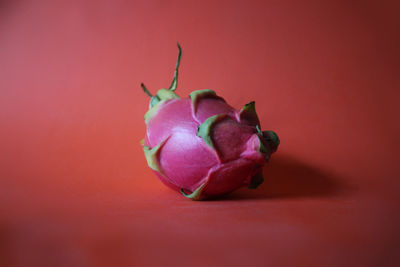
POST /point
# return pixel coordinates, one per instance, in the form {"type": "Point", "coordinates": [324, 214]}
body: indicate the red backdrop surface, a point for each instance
{"type": "Point", "coordinates": [75, 189]}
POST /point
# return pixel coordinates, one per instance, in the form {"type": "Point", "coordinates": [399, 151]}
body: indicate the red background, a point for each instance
{"type": "Point", "coordinates": [75, 189]}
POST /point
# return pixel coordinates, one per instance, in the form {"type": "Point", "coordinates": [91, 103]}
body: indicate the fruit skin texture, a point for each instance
{"type": "Point", "coordinates": [202, 146]}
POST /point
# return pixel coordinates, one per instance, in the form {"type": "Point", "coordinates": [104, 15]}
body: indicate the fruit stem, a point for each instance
{"type": "Point", "coordinates": [145, 90]}
{"type": "Point", "coordinates": [174, 82]}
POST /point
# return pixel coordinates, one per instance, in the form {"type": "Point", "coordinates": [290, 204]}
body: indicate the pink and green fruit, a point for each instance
{"type": "Point", "coordinates": [203, 147]}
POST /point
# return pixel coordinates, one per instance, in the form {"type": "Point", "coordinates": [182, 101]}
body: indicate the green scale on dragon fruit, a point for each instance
{"type": "Point", "coordinates": [203, 147]}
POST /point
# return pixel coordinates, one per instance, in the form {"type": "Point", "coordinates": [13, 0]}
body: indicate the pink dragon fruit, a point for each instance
{"type": "Point", "coordinates": [203, 147]}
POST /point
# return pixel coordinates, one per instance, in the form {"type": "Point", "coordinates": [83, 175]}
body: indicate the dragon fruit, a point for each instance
{"type": "Point", "coordinates": [203, 147]}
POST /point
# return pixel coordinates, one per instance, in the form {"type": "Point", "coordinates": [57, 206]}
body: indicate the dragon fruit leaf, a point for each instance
{"type": "Point", "coordinates": [166, 94]}
{"type": "Point", "coordinates": [146, 90]}
{"type": "Point", "coordinates": [196, 195]}
{"type": "Point", "coordinates": [151, 155]}
{"type": "Point", "coordinates": [262, 148]}
{"type": "Point", "coordinates": [174, 82]}
{"type": "Point", "coordinates": [256, 181]}
{"type": "Point", "coordinates": [154, 100]}
{"type": "Point", "coordinates": [204, 130]}
{"type": "Point", "coordinates": [201, 93]}
{"type": "Point", "coordinates": [272, 139]}
{"type": "Point", "coordinates": [196, 95]}
{"type": "Point", "coordinates": [248, 114]}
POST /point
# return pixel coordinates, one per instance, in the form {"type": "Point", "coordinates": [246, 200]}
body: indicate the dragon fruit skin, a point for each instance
{"type": "Point", "coordinates": [203, 147]}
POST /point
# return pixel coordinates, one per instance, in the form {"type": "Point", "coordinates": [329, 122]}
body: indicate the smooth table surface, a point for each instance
{"type": "Point", "coordinates": [75, 189]}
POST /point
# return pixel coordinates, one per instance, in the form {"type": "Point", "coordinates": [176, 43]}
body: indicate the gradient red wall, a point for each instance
{"type": "Point", "coordinates": [74, 186]}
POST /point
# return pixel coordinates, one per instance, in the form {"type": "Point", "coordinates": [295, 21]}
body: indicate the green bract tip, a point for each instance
{"type": "Point", "coordinates": [174, 82]}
